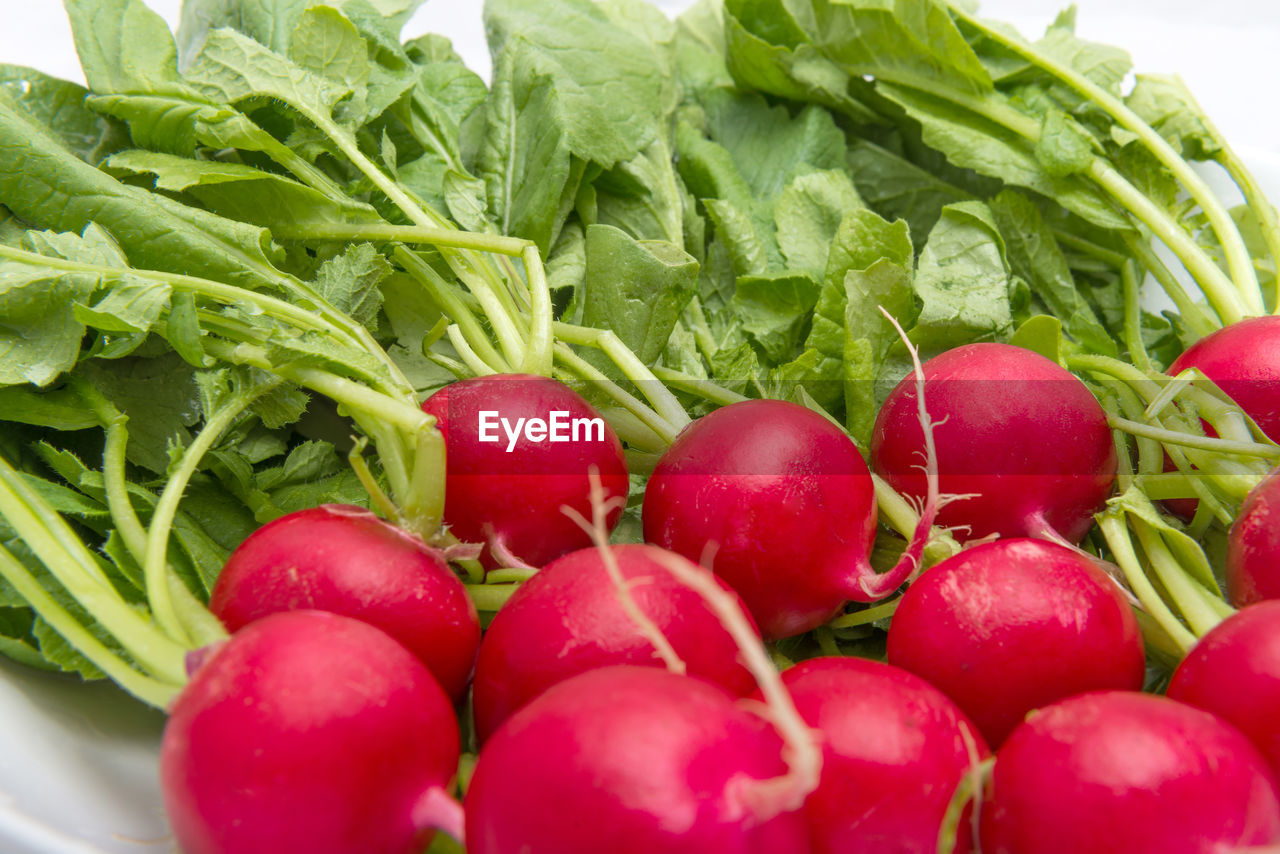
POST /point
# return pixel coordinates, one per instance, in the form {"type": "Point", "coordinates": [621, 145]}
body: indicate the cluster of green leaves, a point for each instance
{"type": "Point", "coordinates": [164, 267]}
{"type": "Point", "coordinates": [287, 205]}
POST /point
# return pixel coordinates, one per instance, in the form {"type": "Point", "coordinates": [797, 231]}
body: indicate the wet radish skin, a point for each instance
{"type": "Point", "coordinates": [1234, 672]}
{"type": "Point", "coordinates": [308, 731]}
{"type": "Point", "coordinates": [894, 749]}
{"type": "Point", "coordinates": [1127, 772]}
{"type": "Point", "coordinates": [514, 499]}
{"type": "Point", "coordinates": [567, 619]}
{"type": "Point", "coordinates": [1253, 546]}
{"type": "Point", "coordinates": [1021, 435]}
{"type": "Point", "coordinates": [628, 760]}
{"type": "Point", "coordinates": [782, 498]}
{"type": "Point", "coordinates": [1243, 360]}
{"type": "Point", "coordinates": [1008, 626]}
{"type": "Point", "coordinates": [343, 559]}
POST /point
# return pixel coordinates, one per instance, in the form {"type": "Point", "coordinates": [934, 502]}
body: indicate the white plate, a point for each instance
{"type": "Point", "coordinates": [78, 762]}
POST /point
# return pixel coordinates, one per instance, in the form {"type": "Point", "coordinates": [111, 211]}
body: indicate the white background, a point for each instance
{"type": "Point", "coordinates": [77, 763]}
{"type": "Point", "coordinates": [1228, 51]}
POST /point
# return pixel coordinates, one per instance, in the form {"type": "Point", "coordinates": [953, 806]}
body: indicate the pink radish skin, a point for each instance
{"type": "Point", "coordinates": [1243, 360]}
{"type": "Point", "coordinates": [1005, 627]}
{"type": "Point", "coordinates": [1127, 772]}
{"type": "Point", "coordinates": [308, 731]}
{"type": "Point", "coordinates": [1234, 672]}
{"type": "Point", "coordinates": [1021, 435]}
{"type": "Point", "coordinates": [894, 748]}
{"type": "Point", "coordinates": [511, 501]}
{"type": "Point", "coordinates": [344, 559]}
{"type": "Point", "coordinates": [628, 760]}
{"type": "Point", "coordinates": [567, 619]}
{"type": "Point", "coordinates": [785, 504]}
{"type": "Point", "coordinates": [1253, 546]}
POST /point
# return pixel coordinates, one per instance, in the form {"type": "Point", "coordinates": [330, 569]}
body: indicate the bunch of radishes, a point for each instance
{"type": "Point", "coordinates": [622, 699]}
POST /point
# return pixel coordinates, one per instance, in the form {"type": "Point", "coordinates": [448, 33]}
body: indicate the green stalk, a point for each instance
{"type": "Point", "coordinates": [880, 611]}
{"type": "Point", "coordinates": [150, 690]}
{"type": "Point", "coordinates": [499, 318]}
{"type": "Point", "coordinates": [58, 547]}
{"type": "Point", "coordinates": [418, 234]}
{"type": "Point", "coordinates": [589, 372]}
{"type": "Point", "coordinates": [702, 330]}
{"type": "Point", "coordinates": [120, 506]}
{"type": "Point", "coordinates": [476, 365]}
{"type": "Point", "coordinates": [1257, 201]}
{"type": "Point", "coordinates": [392, 410]}
{"type": "Point", "coordinates": [452, 306]}
{"type": "Point", "coordinates": [638, 436]}
{"type": "Point", "coordinates": [1188, 309]}
{"type": "Point", "coordinates": [1220, 290]}
{"type": "Point", "coordinates": [663, 401]}
{"type": "Point", "coordinates": [423, 503]}
{"type": "Point", "coordinates": [539, 358]}
{"type": "Point", "coordinates": [1117, 536]}
{"type": "Point", "coordinates": [379, 499]}
{"type": "Point", "coordinates": [1133, 319]}
{"type": "Point", "coordinates": [491, 597]}
{"type": "Point", "coordinates": [156, 564]}
{"type": "Point", "coordinates": [1089, 248]}
{"type": "Point", "coordinates": [1188, 596]}
{"type": "Point", "coordinates": [216, 291]}
{"type": "Point", "coordinates": [1217, 286]}
{"type": "Point", "coordinates": [203, 627]}
{"type": "Point", "coordinates": [706, 389]}
{"type": "Point", "coordinates": [1189, 440]}
{"type": "Point", "coordinates": [323, 318]}
{"type": "Point", "coordinates": [1239, 262]}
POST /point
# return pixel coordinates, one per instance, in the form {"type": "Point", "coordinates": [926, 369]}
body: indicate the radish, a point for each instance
{"type": "Point", "coordinates": [1019, 437]}
{"type": "Point", "coordinates": [1008, 626]}
{"type": "Point", "coordinates": [345, 560]}
{"type": "Point", "coordinates": [1127, 772]}
{"type": "Point", "coordinates": [784, 501]}
{"type": "Point", "coordinates": [519, 448]}
{"type": "Point", "coordinates": [568, 619]}
{"type": "Point", "coordinates": [630, 760]}
{"type": "Point", "coordinates": [1253, 546]}
{"type": "Point", "coordinates": [308, 731]}
{"type": "Point", "coordinates": [1243, 360]}
{"type": "Point", "coordinates": [1234, 672]}
{"type": "Point", "coordinates": [894, 749]}
{"type": "Point", "coordinates": [648, 760]}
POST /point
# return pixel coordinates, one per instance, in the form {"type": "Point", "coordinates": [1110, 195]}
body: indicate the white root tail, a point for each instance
{"type": "Point", "coordinates": [875, 586]}
{"type": "Point", "coordinates": [598, 530]}
{"type": "Point", "coordinates": [801, 752]}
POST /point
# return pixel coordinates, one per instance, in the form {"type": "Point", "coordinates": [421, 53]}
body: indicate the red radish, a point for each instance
{"type": "Point", "coordinates": [630, 760]}
{"type": "Point", "coordinates": [568, 619]}
{"type": "Point", "coordinates": [1234, 672]}
{"type": "Point", "coordinates": [1253, 546]}
{"type": "Point", "coordinates": [782, 497]}
{"type": "Point", "coordinates": [345, 560]}
{"type": "Point", "coordinates": [308, 731]}
{"type": "Point", "coordinates": [894, 750]}
{"type": "Point", "coordinates": [1127, 772]}
{"type": "Point", "coordinates": [508, 478]}
{"type": "Point", "coordinates": [1243, 360]}
{"type": "Point", "coordinates": [1017, 433]}
{"type": "Point", "coordinates": [1005, 627]}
